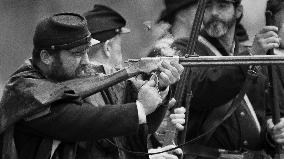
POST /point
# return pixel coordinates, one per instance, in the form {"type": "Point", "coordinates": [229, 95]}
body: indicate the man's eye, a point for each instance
{"type": "Point", "coordinates": [78, 53]}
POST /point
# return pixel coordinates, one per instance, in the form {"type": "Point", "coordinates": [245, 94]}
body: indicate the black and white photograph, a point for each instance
{"type": "Point", "coordinates": [142, 79]}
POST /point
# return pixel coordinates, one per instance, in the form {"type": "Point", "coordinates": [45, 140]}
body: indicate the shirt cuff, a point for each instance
{"type": "Point", "coordinates": [141, 113]}
{"type": "Point", "coordinates": [164, 93]}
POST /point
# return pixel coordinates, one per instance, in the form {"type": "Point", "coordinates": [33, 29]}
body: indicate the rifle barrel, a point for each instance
{"type": "Point", "coordinates": [231, 60]}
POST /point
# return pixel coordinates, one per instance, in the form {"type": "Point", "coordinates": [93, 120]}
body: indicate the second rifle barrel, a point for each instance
{"type": "Point", "coordinates": [231, 60]}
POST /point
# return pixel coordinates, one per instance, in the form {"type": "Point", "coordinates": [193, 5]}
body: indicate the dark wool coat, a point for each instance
{"type": "Point", "coordinates": [213, 87]}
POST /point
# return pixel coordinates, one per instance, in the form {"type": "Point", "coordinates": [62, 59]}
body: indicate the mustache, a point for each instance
{"type": "Point", "coordinates": [86, 70]}
{"type": "Point", "coordinates": [214, 20]}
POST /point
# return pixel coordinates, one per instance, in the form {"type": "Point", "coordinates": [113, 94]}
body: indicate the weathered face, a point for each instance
{"type": "Point", "coordinates": [219, 17]}
{"type": "Point", "coordinates": [67, 64]}
{"type": "Point", "coordinates": [116, 54]}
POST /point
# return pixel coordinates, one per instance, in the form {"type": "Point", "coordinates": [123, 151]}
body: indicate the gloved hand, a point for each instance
{"type": "Point", "coordinates": [166, 155]}
{"type": "Point", "coordinates": [149, 96]}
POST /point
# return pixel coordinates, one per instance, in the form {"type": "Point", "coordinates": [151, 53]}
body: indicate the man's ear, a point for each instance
{"type": "Point", "coordinates": [239, 11]}
{"type": "Point", "coordinates": [45, 57]}
{"type": "Point", "coordinates": [107, 48]}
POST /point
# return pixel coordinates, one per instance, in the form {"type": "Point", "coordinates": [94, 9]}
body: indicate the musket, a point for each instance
{"type": "Point", "coordinates": [48, 92]}
{"type": "Point", "coordinates": [198, 61]}
{"type": "Point", "coordinates": [273, 90]}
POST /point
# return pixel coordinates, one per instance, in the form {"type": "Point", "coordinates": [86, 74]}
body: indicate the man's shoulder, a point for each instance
{"type": "Point", "coordinates": [26, 71]}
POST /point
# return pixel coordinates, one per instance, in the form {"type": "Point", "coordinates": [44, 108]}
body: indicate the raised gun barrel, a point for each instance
{"type": "Point", "coordinates": [197, 61]}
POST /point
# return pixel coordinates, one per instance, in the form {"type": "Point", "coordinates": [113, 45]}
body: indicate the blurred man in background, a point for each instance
{"type": "Point", "coordinates": [108, 26]}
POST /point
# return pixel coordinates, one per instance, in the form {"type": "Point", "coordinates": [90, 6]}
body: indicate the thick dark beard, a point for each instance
{"type": "Point", "coordinates": [58, 73]}
{"type": "Point", "coordinates": [217, 28]}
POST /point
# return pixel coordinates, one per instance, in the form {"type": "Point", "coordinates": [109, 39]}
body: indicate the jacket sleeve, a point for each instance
{"type": "Point", "coordinates": [72, 121]}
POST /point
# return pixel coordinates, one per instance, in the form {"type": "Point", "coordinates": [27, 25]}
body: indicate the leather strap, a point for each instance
{"type": "Point", "coordinates": [214, 120]}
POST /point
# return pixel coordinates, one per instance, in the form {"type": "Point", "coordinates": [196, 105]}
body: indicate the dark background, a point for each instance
{"type": "Point", "coordinates": [18, 19]}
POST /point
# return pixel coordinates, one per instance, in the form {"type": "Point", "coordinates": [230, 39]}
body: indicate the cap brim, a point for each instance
{"type": "Point", "coordinates": [94, 42]}
{"type": "Point", "coordinates": [125, 30]}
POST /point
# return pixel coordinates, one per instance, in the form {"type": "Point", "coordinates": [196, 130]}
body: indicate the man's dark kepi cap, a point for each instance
{"type": "Point", "coordinates": [104, 23]}
{"type": "Point", "coordinates": [62, 31]}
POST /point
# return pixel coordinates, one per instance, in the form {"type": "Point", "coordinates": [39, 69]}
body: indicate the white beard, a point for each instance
{"type": "Point", "coordinates": [217, 29]}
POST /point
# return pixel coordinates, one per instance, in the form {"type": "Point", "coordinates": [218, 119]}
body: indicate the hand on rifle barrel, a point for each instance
{"type": "Point", "coordinates": [170, 73]}
{"type": "Point", "coordinates": [265, 40]}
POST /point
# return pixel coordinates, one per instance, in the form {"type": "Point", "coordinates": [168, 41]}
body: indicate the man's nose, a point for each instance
{"type": "Point", "coordinates": [85, 59]}
{"type": "Point", "coordinates": [214, 11]}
